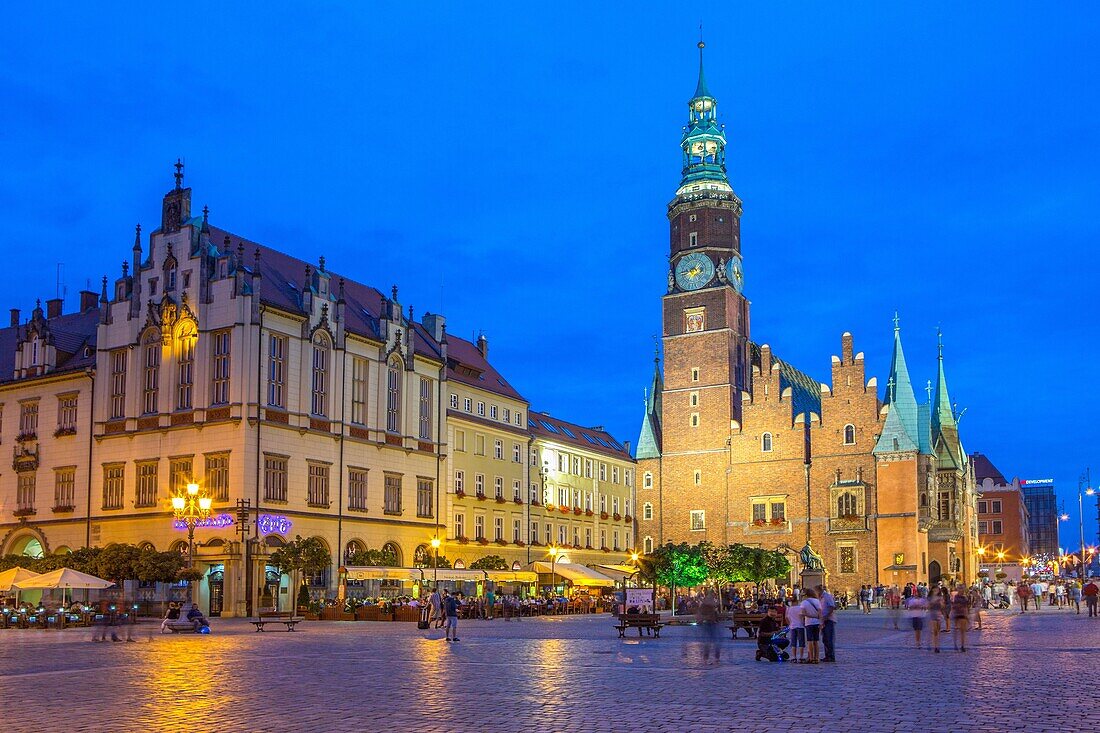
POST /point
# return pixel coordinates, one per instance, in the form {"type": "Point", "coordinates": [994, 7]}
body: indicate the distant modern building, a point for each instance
{"type": "Point", "coordinates": [1042, 509]}
{"type": "Point", "coordinates": [1002, 514]}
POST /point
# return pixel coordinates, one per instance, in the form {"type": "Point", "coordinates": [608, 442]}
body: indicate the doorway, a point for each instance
{"type": "Point", "coordinates": [215, 581]}
{"type": "Point", "coordinates": [935, 572]}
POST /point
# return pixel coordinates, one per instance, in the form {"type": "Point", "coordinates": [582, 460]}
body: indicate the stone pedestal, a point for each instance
{"type": "Point", "coordinates": [812, 578]}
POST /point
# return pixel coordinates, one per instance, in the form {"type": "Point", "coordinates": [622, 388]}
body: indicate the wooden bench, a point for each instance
{"type": "Point", "coordinates": [750, 622]}
{"type": "Point", "coordinates": [650, 622]}
{"type": "Point", "coordinates": [286, 618]}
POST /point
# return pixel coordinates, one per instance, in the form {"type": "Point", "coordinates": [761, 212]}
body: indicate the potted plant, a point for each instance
{"type": "Point", "coordinates": [778, 521]}
{"type": "Point", "coordinates": [517, 500]}
{"type": "Point", "coordinates": [618, 517]}
{"type": "Point", "coordinates": [605, 548]}
{"type": "Point", "coordinates": [502, 542]}
{"type": "Point", "coordinates": [462, 540]}
{"type": "Point", "coordinates": [603, 515]}
{"type": "Point", "coordinates": [759, 522]}
{"type": "Point", "coordinates": [483, 540]}
{"type": "Point", "coordinates": [588, 512]}
{"type": "Point", "coordinates": [481, 496]}
{"type": "Point", "coordinates": [577, 511]}
{"type": "Point", "coordinates": [518, 543]}
{"type": "Point", "coordinates": [501, 500]}
{"type": "Point", "coordinates": [628, 519]}
{"type": "Point", "coordinates": [564, 509]}
{"type": "Point", "coordinates": [460, 494]}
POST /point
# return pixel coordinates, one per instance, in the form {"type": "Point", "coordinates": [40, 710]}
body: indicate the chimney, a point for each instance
{"type": "Point", "coordinates": [483, 345]}
{"type": "Point", "coordinates": [435, 324]}
{"type": "Point", "coordinates": [88, 300]}
{"type": "Point", "coordinates": [14, 317]}
{"type": "Point", "coordinates": [53, 307]}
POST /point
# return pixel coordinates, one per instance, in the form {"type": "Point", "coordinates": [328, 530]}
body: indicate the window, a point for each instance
{"type": "Point", "coordinates": [996, 527]}
{"type": "Point", "coordinates": [493, 412]}
{"type": "Point", "coordinates": [847, 505]}
{"type": "Point", "coordinates": [393, 397]}
{"type": "Point", "coordinates": [647, 545]}
{"type": "Point", "coordinates": [424, 498]}
{"type": "Point", "coordinates": [693, 239]}
{"type": "Point", "coordinates": [498, 528]}
{"type": "Point", "coordinates": [516, 490]}
{"type": "Point", "coordinates": [498, 450]}
{"type": "Point", "coordinates": [588, 537]}
{"type": "Point", "coordinates": [359, 390]}
{"type": "Point", "coordinates": [479, 484]}
{"type": "Point", "coordinates": [481, 409]}
{"type": "Point", "coordinates": [563, 496]}
{"type": "Point", "coordinates": [170, 279]}
{"type": "Point", "coordinates": [562, 536]}
{"type": "Point", "coordinates": [534, 537]}
{"type": "Point", "coordinates": [995, 506]}
{"type": "Point", "coordinates": [647, 511]}
{"type": "Point", "coordinates": [628, 477]}
{"type": "Point", "coordinates": [603, 471]}
{"type": "Point", "coordinates": [506, 415]}
{"type": "Point", "coordinates": [563, 463]}
{"type": "Point", "coordinates": [277, 347]}
{"type": "Point", "coordinates": [460, 440]}
{"type": "Point", "coordinates": [460, 525]}
{"type": "Point", "coordinates": [695, 419]}
{"type": "Point", "coordinates": [698, 520]}
{"type": "Point", "coordinates": [766, 442]}
{"type": "Point", "coordinates": [66, 413]}
{"type": "Point", "coordinates": [317, 487]}
{"type": "Point", "coordinates": [576, 466]}
{"type": "Point", "coordinates": [113, 485]}
{"type": "Point", "coordinates": [467, 404]}
{"type": "Point", "coordinates": [847, 556]}
{"type": "Point", "coordinates": [695, 374]}
{"type": "Point", "coordinates": [615, 505]}
{"type": "Point", "coordinates": [534, 493]}
{"type": "Point", "coordinates": [779, 511]}
{"type": "Point", "coordinates": [603, 502]}
{"type": "Point", "coordinates": [425, 413]}
{"type": "Point", "coordinates": [64, 488]}
{"type": "Point", "coordinates": [393, 494]}
{"type": "Point", "coordinates": [118, 383]}
{"type": "Point", "coordinates": [498, 485]}
{"type": "Point", "coordinates": [357, 489]}
{"type": "Point", "coordinates": [28, 419]}
{"type": "Point", "coordinates": [615, 540]}
{"type": "Point", "coordinates": [647, 480]}
{"type": "Point", "coordinates": [576, 536]}
{"type": "Point", "coordinates": [519, 418]}
{"type": "Point", "coordinates": [24, 490]}
{"type": "Point", "coordinates": [479, 527]}
{"type": "Point", "coordinates": [479, 445]}
{"type": "Point", "coordinates": [983, 527]}
{"type": "Point", "coordinates": [759, 512]}
{"type": "Point", "coordinates": [516, 531]}
{"type": "Point", "coordinates": [185, 371]}
{"type": "Point", "coordinates": [454, 401]}
{"type": "Point", "coordinates": [983, 507]}
{"type": "Point", "coordinates": [146, 495]}
{"type": "Point", "coordinates": [275, 478]}
{"type": "Point", "coordinates": [945, 505]}
{"type": "Point", "coordinates": [849, 435]}
{"type": "Point", "coordinates": [516, 454]}
{"type": "Point", "coordinates": [615, 474]}
{"type": "Point", "coordinates": [220, 376]}
{"type": "Point", "coordinates": [694, 399]}
{"type": "Point", "coordinates": [150, 376]}
{"type": "Point", "coordinates": [319, 385]}
{"type": "Point", "coordinates": [698, 477]}
{"type": "Point", "coordinates": [549, 533]}
{"type": "Point", "coordinates": [460, 481]}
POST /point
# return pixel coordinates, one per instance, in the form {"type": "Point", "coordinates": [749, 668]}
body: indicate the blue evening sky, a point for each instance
{"type": "Point", "coordinates": [514, 169]}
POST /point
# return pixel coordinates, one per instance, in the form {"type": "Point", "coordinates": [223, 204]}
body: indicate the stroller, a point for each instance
{"type": "Point", "coordinates": [773, 648]}
{"type": "Point", "coordinates": [1000, 601]}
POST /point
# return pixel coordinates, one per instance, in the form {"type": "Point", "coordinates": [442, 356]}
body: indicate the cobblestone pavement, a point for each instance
{"type": "Point", "coordinates": [548, 674]}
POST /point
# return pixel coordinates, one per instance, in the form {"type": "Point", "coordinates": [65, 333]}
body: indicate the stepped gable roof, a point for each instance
{"type": "Point", "coordinates": [805, 390]}
{"type": "Point", "coordinates": [71, 334]}
{"type": "Point", "coordinates": [984, 468]}
{"type": "Point", "coordinates": [284, 274]}
{"type": "Point", "coordinates": [596, 440]}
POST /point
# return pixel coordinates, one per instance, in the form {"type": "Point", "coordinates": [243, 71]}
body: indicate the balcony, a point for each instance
{"type": "Point", "coordinates": [838, 525]}
{"type": "Point", "coordinates": [24, 459]}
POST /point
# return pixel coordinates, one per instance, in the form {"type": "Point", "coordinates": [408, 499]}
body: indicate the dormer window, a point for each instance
{"type": "Point", "coordinates": [153, 286]}
{"type": "Point", "coordinates": [34, 351]}
{"type": "Point", "coordinates": [170, 279]}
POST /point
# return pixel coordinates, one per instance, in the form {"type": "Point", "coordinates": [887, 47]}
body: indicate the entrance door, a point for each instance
{"type": "Point", "coordinates": [934, 572]}
{"type": "Point", "coordinates": [216, 585]}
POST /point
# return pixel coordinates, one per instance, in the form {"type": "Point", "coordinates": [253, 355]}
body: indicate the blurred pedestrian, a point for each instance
{"type": "Point", "coordinates": [960, 616]}
{"type": "Point", "coordinates": [706, 617]}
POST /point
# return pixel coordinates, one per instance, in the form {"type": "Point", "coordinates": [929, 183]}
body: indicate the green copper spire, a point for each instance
{"type": "Point", "coordinates": [901, 429]}
{"type": "Point", "coordinates": [945, 427]}
{"type": "Point", "coordinates": [704, 141]}
{"type": "Point", "coordinates": [649, 440]}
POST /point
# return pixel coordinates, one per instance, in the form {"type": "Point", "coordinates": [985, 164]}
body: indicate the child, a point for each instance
{"type": "Point", "coordinates": [798, 632]}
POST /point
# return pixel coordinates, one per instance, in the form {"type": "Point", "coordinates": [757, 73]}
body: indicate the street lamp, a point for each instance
{"type": "Point", "coordinates": [191, 507]}
{"type": "Point", "coordinates": [1085, 479]}
{"type": "Point", "coordinates": [435, 566]}
{"type": "Point", "coordinates": [553, 552]}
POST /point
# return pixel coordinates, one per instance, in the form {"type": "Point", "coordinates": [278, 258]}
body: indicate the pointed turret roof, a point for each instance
{"type": "Point", "coordinates": [701, 90]}
{"type": "Point", "coordinates": [945, 428]}
{"type": "Point", "coordinates": [899, 388]}
{"type": "Point", "coordinates": [649, 439]}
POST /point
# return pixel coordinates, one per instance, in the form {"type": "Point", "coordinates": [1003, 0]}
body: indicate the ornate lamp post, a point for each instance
{"type": "Point", "coordinates": [553, 552]}
{"type": "Point", "coordinates": [191, 507]}
{"type": "Point", "coordinates": [435, 566]}
{"type": "Point", "coordinates": [1083, 481]}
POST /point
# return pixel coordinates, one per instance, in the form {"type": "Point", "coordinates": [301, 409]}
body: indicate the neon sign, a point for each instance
{"type": "Point", "coordinates": [216, 521]}
{"type": "Point", "coordinates": [272, 524]}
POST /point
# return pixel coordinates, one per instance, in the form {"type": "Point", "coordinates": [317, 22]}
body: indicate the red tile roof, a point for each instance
{"type": "Point", "coordinates": [597, 440]}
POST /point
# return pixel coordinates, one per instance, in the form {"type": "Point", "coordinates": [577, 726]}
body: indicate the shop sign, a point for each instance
{"type": "Point", "coordinates": [216, 521]}
{"type": "Point", "coordinates": [273, 524]}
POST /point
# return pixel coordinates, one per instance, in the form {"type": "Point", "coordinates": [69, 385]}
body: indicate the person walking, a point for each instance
{"type": "Point", "coordinates": [811, 617]}
{"type": "Point", "coordinates": [936, 616]}
{"type": "Point", "coordinates": [916, 608]}
{"type": "Point", "coordinates": [797, 631]}
{"type": "Point", "coordinates": [1023, 592]}
{"type": "Point", "coordinates": [828, 623]}
{"type": "Point", "coordinates": [450, 607]}
{"type": "Point", "coordinates": [1091, 593]}
{"type": "Point", "coordinates": [960, 616]}
{"type": "Point", "coordinates": [1075, 595]}
{"type": "Point", "coordinates": [1037, 595]}
{"type": "Point", "coordinates": [706, 616]}
{"type": "Point", "coordinates": [976, 602]}
{"type": "Point", "coordinates": [435, 601]}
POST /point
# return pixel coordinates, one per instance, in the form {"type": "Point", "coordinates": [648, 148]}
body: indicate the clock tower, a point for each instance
{"type": "Point", "coordinates": [683, 451]}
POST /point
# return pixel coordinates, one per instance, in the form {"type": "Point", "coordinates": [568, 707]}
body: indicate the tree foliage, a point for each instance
{"type": "Point", "coordinates": [489, 562]}
{"type": "Point", "coordinates": [680, 565]}
{"type": "Point", "coordinates": [301, 556]}
{"type": "Point", "coordinates": [117, 562]}
{"type": "Point", "coordinates": [687, 565]}
{"type": "Point", "coordinates": [372, 558]}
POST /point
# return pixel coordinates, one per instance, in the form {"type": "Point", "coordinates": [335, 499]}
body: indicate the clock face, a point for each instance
{"type": "Point", "coordinates": [735, 274]}
{"type": "Point", "coordinates": [693, 271]}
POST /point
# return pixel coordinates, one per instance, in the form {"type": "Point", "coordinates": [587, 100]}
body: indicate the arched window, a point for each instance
{"type": "Point", "coordinates": [150, 374]}
{"type": "Point", "coordinates": [185, 373]}
{"type": "Point", "coordinates": [319, 403]}
{"type": "Point", "coordinates": [849, 435]}
{"type": "Point", "coordinates": [647, 511]}
{"type": "Point", "coordinates": [847, 505]}
{"type": "Point", "coordinates": [766, 442]}
{"type": "Point", "coordinates": [647, 480]}
{"type": "Point", "coordinates": [391, 549]}
{"type": "Point", "coordinates": [393, 396]}
{"type": "Point", "coordinates": [422, 557]}
{"type": "Point", "coordinates": [354, 547]}
{"type": "Point", "coordinates": [647, 545]}
{"type": "Point", "coordinates": [924, 500]}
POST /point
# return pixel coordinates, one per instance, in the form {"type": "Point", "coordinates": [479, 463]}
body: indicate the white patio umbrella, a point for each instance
{"type": "Point", "coordinates": [64, 578]}
{"type": "Point", "coordinates": [9, 578]}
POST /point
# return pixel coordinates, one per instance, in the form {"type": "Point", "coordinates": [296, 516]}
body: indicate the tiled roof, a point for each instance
{"type": "Point", "coordinates": [805, 390]}
{"type": "Point", "coordinates": [71, 332]}
{"type": "Point", "coordinates": [984, 468]}
{"type": "Point", "coordinates": [560, 431]}
{"type": "Point", "coordinates": [284, 275]}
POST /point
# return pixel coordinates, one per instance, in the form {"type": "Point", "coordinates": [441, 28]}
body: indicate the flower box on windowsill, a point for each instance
{"type": "Point", "coordinates": [564, 509]}
{"type": "Point", "coordinates": [64, 431]}
{"type": "Point", "coordinates": [63, 509]}
{"type": "Point", "coordinates": [577, 511]}
{"type": "Point", "coordinates": [628, 519]}
{"type": "Point", "coordinates": [24, 512]}
{"type": "Point", "coordinates": [480, 496]}
{"type": "Point", "coordinates": [576, 547]}
{"type": "Point", "coordinates": [501, 500]}
{"type": "Point", "coordinates": [849, 517]}
{"type": "Point", "coordinates": [588, 512]}
{"type": "Point", "coordinates": [518, 543]}
{"type": "Point", "coordinates": [603, 515]}
{"type": "Point", "coordinates": [536, 543]}
{"type": "Point", "coordinates": [23, 437]}
{"type": "Point", "coordinates": [759, 522]}
{"type": "Point", "coordinates": [778, 521]}
{"type": "Point", "coordinates": [588, 547]}
{"type": "Point", "coordinates": [483, 540]}
{"type": "Point", "coordinates": [618, 517]}
{"type": "Point", "coordinates": [502, 542]}
{"type": "Point", "coordinates": [462, 540]}
{"type": "Point", "coordinates": [460, 494]}
{"type": "Point", "coordinates": [518, 500]}
{"type": "Point", "coordinates": [536, 502]}
{"type": "Point", "coordinates": [606, 549]}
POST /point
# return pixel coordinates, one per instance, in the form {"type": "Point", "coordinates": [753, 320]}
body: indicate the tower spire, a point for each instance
{"type": "Point", "coordinates": [704, 142]}
{"type": "Point", "coordinates": [901, 421]}
{"type": "Point", "coordinates": [945, 427]}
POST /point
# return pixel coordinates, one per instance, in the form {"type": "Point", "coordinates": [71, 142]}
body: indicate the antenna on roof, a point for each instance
{"type": "Point", "coordinates": [59, 289]}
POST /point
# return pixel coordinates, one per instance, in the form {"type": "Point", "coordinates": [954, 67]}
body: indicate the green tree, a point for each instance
{"type": "Point", "coordinates": [372, 558]}
{"type": "Point", "coordinates": [489, 562]}
{"type": "Point", "coordinates": [159, 567]}
{"type": "Point", "coordinates": [300, 557]}
{"type": "Point", "coordinates": [118, 563]}
{"type": "Point", "coordinates": [679, 565]}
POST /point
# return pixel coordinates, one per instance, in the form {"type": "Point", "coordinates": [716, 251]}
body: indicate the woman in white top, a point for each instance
{"type": "Point", "coordinates": [798, 632]}
{"type": "Point", "coordinates": [811, 616]}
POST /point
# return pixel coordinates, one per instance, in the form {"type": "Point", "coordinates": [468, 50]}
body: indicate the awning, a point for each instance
{"type": "Point", "coordinates": [471, 576]}
{"type": "Point", "coordinates": [900, 567]}
{"type": "Point", "coordinates": [15, 575]}
{"type": "Point", "coordinates": [512, 576]}
{"type": "Point", "coordinates": [575, 574]}
{"type": "Point", "coordinates": [618, 573]}
{"type": "Point", "coordinates": [62, 578]}
{"type": "Point", "coordinates": [383, 572]}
